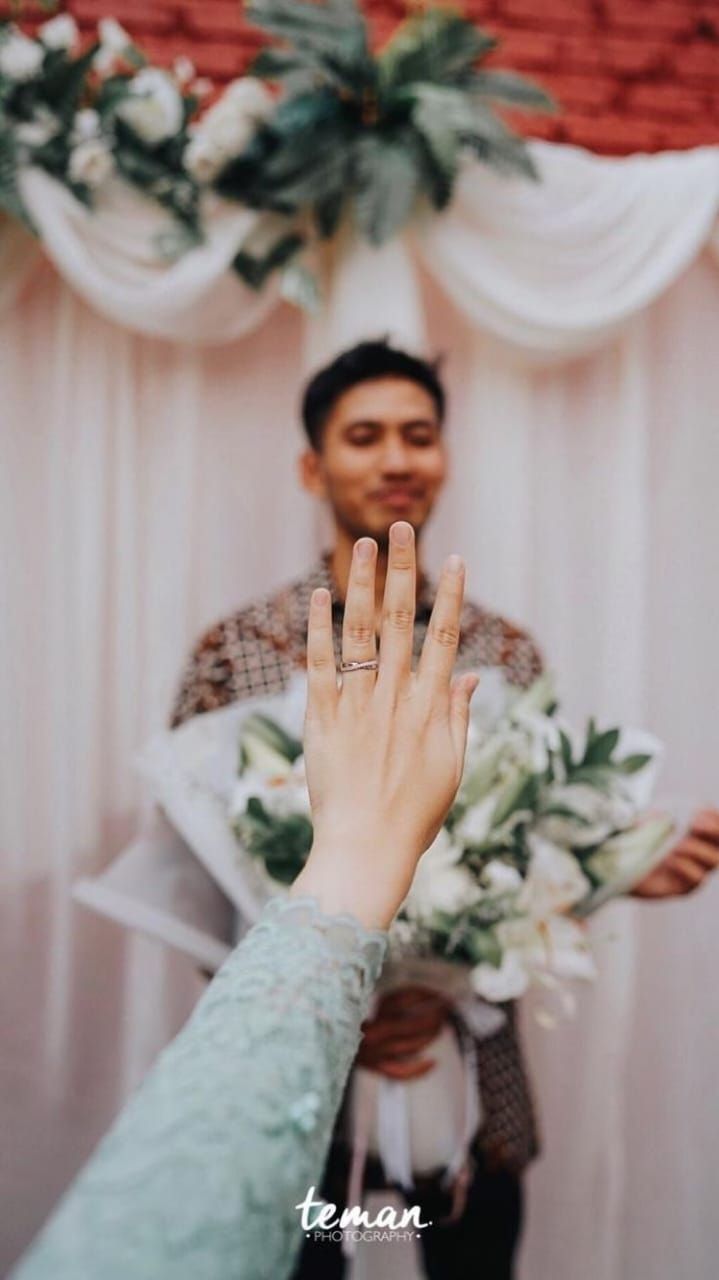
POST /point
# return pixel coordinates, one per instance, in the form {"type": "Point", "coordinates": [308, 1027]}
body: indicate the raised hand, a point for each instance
{"type": "Point", "coordinates": [384, 752]}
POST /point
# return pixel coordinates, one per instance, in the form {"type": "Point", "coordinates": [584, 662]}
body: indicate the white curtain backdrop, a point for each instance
{"type": "Point", "coordinates": [147, 485]}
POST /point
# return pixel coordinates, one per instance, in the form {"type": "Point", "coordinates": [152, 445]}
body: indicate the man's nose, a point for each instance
{"type": "Point", "coordinates": [396, 457]}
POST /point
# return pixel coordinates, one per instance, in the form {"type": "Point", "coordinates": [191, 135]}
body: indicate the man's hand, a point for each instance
{"type": "Point", "coordinates": [688, 864]}
{"type": "Point", "coordinates": [407, 1020]}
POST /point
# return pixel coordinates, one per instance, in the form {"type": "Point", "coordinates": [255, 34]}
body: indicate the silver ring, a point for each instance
{"type": "Point", "coordinates": [372, 664]}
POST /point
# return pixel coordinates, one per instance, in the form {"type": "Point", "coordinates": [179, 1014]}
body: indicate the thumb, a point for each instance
{"type": "Point", "coordinates": [459, 699]}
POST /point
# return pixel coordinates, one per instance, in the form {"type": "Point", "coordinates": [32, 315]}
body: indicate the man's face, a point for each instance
{"type": "Point", "coordinates": [381, 458]}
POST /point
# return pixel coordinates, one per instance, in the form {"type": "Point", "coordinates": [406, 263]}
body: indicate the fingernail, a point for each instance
{"type": "Point", "coordinates": [402, 533]}
{"type": "Point", "coordinates": [320, 595]}
{"type": "Point", "coordinates": [455, 564]}
{"type": "Point", "coordinates": [365, 549]}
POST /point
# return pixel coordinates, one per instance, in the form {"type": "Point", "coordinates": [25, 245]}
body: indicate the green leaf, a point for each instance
{"type": "Point", "coordinates": [255, 272]}
{"type": "Point", "coordinates": [264, 727]}
{"type": "Point", "coordinates": [512, 90]}
{"type": "Point", "coordinates": [328, 211]}
{"type": "Point", "coordinates": [335, 30]}
{"type": "Point", "coordinates": [566, 749]}
{"type": "Point", "coordinates": [483, 948]}
{"type": "Point", "coordinates": [601, 776]}
{"type": "Point", "coordinates": [633, 764]}
{"type": "Point", "coordinates": [441, 115]}
{"type": "Point", "coordinates": [282, 844]}
{"type": "Point", "coordinates": [436, 46]}
{"type": "Point", "coordinates": [601, 747]}
{"type": "Point", "coordinates": [10, 199]}
{"type": "Point", "coordinates": [497, 146]}
{"type": "Point", "coordinates": [386, 187]}
{"type": "Point", "coordinates": [63, 83]}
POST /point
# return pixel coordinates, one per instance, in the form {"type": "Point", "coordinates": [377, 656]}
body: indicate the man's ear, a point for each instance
{"type": "Point", "coordinates": [311, 473]}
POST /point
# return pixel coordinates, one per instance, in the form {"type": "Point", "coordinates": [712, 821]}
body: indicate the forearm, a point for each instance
{"type": "Point", "coordinates": [201, 1173]}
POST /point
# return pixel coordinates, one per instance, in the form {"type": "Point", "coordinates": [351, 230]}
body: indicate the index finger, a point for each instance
{"type": "Point", "coordinates": [440, 645]}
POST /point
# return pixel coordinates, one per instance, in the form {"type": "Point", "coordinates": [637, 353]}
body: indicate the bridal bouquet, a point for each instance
{"type": "Point", "coordinates": [548, 824]}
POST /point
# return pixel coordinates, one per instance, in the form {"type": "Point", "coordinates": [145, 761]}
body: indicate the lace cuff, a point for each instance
{"type": "Point", "coordinates": [344, 936]}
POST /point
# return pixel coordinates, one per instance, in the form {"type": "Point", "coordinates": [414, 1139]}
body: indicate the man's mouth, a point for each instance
{"type": "Point", "coordinates": [397, 497]}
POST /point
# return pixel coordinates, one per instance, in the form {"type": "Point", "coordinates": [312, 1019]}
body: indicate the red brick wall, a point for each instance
{"type": "Point", "coordinates": [630, 75]}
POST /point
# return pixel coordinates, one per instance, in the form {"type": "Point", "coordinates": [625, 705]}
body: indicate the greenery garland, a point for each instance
{"type": "Point", "coordinates": [321, 131]}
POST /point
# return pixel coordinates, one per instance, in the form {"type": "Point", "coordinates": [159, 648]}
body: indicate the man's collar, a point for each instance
{"type": "Point", "coordinates": [321, 576]}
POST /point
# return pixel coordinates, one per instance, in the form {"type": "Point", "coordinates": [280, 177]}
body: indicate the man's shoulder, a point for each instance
{"type": "Point", "coordinates": [489, 639]}
{"type": "Point", "coordinates": [276, 613]}
{"type": "Point", "coordinates": [247, 653]}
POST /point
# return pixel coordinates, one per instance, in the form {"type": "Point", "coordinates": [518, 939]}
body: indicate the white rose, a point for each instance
{"type": "Point", "coordinates": [86, 124]}
{"type": "Point", "coordinates": [20, 57]}
{"type": "Point", "coordinates": [231, 122]}
{"type": "Point", "coordinates": [506, 982]}
{"type": "Point", "coordinates": [203, 159]}
{"type": "Point", "coordinates": [60, 32]}
{"type": "Point", "coordinates": [36, 132]}
{"type": "Point", "coordinates": [555, 880]}
{"type": "Point", "coordinates": [440, 882]}
{"type": "Point", "coordinates": [91, 162]}
{"type": "Point", "coordinates": [112, 36]}
{"type": "Point", "coordinates": [153, 106]}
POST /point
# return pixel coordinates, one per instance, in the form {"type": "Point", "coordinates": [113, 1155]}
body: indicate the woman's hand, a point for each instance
{"type": "Point", "coordinates": [384, 753]}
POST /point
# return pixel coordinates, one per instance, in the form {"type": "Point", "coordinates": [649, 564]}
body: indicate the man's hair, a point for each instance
{"type": "Point", "coordinates": [364, 363]}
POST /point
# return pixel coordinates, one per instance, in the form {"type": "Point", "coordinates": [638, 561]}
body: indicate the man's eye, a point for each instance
{"type": "Point", "coordinates": [361, 437]}
{"type": "Point", "coordinates": [422, 438]}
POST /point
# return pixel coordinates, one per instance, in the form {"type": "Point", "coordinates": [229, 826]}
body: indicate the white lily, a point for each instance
{"type": "Point", "coordinates": [440, 882]}
{"type": "Point", "coordinates": [508, 981]}
{"type": "Point", "coordinates": [555, 880]}
{"type": "Point", "coordinates": [625, 859]}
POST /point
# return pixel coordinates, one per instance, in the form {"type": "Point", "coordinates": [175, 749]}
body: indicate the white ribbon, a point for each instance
{"type": "Point", "coordinates": [381, 1108]}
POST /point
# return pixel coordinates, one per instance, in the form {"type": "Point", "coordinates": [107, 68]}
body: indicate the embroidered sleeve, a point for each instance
{"type": "Point", "coordinates": [200, 1175]}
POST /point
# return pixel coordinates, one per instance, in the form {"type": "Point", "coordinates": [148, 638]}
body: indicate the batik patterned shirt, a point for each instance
{"type": "Point", "coordinates": [256, 650]}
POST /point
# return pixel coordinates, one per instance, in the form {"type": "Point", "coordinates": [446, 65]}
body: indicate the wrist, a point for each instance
{"type": "Point", "coordinates": [348, 878]}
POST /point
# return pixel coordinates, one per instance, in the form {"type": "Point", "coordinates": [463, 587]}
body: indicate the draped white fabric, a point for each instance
{"type": "Point", "coordinates": [147, 486]}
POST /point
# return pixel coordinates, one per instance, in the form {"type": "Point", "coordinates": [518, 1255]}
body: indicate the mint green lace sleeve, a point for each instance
{"type": "Point", "coordinates": [199, 1176]}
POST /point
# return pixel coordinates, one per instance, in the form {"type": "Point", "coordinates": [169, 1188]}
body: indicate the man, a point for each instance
{"type": "Point", "coordinates": [376, 453]}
